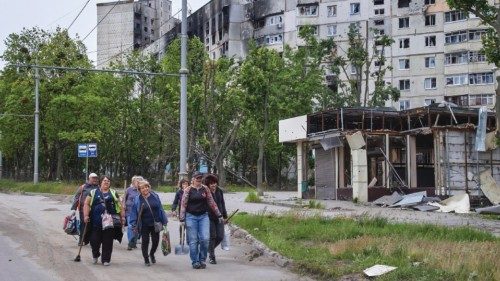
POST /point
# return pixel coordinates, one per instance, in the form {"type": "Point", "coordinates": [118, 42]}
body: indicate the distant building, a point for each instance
{"type": "Point", "coordinates": [436, 55]}
{"type": "Point", "coordinates": [130, 25]}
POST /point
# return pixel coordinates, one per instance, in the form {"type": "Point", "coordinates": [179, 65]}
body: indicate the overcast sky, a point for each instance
{"type": "Point", "coordinates": [48, 14]}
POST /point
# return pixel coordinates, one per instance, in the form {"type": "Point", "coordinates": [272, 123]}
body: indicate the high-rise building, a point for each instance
{"type": "Point", "coordinates": [124, 26]}
{"type": "Point", "coordinates": [435, 57]}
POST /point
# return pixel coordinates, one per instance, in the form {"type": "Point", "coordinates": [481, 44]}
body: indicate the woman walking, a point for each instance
{"type": "Point", "coordinates": [183, 184]}
{"type": "Point", "coordinates": [98, 204]}
{"type": "Point", "coordinates": [148, 218]}
{"type": "Point", "coordinates": [196, 202]}
{"type": "Point", "coordinates": [216, 227]}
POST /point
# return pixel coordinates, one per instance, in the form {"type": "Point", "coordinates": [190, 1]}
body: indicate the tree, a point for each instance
{"type": "Point", "coordinates": [489, 15]}
{"type": "Point", "coordinates": [360, 59]}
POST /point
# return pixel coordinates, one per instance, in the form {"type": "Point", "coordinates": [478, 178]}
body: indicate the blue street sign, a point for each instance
{"type": "Point", "coordinates": [86, 150]}
{"type": "Point", "coordinates": [82, 150]}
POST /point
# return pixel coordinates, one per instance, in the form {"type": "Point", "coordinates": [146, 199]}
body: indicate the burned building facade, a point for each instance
{"type": "Point", "coordinates": [365, 153]}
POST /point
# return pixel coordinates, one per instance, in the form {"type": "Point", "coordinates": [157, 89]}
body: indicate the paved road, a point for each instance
{"type": "Point", "coordinates": [31, 237]}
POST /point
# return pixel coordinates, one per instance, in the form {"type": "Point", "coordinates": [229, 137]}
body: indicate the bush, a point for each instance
{"type": "Point", "coordinates": [252, 197]}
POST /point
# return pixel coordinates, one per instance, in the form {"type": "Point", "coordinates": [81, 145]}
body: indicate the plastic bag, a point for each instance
{"type": "Point", "coordinates": [107, 221]}
{"type": "Point", "coordinates": [226, 242]}
{"type": "Point", "coordinates": [166, 247]}
{"type": "Point", "coordinates": [70, 225]}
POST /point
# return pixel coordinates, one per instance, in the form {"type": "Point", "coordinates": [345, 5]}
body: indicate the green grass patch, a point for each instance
{"type": "Point", "coordinates": [331, 248]}
{"type": "Point", "coordinates": [167, 207]}
{"type": "Point", "coordinates": [252, 197]}
{"type": "Point", "coordinates": [315, 205]}
{"type": "Point", "coordinates": [42, 187]}
{"type": "Point", "coordinates": [494, 217]}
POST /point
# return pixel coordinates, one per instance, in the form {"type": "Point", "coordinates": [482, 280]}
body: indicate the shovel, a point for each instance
{"type": "Point", "coordinates": [181, 248]}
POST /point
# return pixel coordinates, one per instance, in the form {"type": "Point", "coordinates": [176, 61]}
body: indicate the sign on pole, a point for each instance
{"type": "Point", "coordinates": [82, 150]}
{"type": "Point", "coordinates": [87, 150]}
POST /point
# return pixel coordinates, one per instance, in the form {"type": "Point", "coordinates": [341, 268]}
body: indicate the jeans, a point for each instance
{"type": "Point", "coordinates": [155, 238]}
{"type": "Point", "coordinates": [216, 236]}
{"type": "Point", "coordinates": [198, 233]}
{"type": "Point", "coordinates": [131, 236]}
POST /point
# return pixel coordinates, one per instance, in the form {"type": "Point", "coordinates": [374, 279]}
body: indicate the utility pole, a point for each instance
{"type": "Point", "coordinates": [183, 73]}
{"type": "Point", "coordinates": [37, 112]}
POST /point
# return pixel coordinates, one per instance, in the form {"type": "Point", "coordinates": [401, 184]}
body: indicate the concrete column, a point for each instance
{"type": "Point", "coordinates": [300, 167]}
{"type": "Point", "coordinates": [341, 168]}
{"type": "Point", "coordinates": [387, 168]}
{"type": "Point", "coordinates": [412, 161]}
{"type": "Point", "coordinates": [359, 175]}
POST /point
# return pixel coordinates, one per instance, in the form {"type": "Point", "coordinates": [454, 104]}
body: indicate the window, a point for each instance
{"type": "Point", "coordinates": [146, 19]}
{"type": "Point", "coordinates": [378, 22]}
{"type": "Point", "coordinates": [353, 69]}
{"type": "Point", "coordinates": [378, 2]}
{"type": "Point", "coordinates": [314, 27]}
{"type": "Point", "coordinates": [430, 83]}
{"type": "Point", "coordinates": [404, 43]}
{"type": "Point", "coordinates": [475, 56]}
{"type": "Point", "coordinates": [332, 30]}
{"type": "Point", "coordinates": [481, 78]}
{"type": "Point", "coordinates": [379, 12]}
{"type": "Point", "coordinates": [404, 3]}
{"type": "Point", "coordinates": [476, 34]}
{"type": "Point", "coordinates": [273, 39]}
{"type": "Point", "coordinates": [355, 8]}
{"type": "Point", "coordinates": [379, 63]}
{"type": "Point", "coordinates": [404, 22]}
{"type": "Point", "coordinates": [458, 100]}
{"type": "Point", "coordinates": [455, 58]}
{"type": "Point", "coordinates": [332, 11]}
{"type": "Point", "coordinates": [404, 104]}
{"type": "Point", "coordinates": [430, 20]}
{"type": "Point", "coordinates": [429, 2]}
{"type": "Point", "coordinates": [377, 32]}
{"type": "Point", "coordinates": [404, 64]}
{"type": "Point", "coordinates": [274, 20]}
{"type": "Point", "coordinates": [404, 85]}
{"type": "Point", "coordinates": [430, 62]}
{"type": "Point", "coordinates": [311, 10]}
{"type": "Point", "coordinates": [456, 80]}
{"type": "Point", "coordinates": [454, 16]}
{"type": "Point", "coordinates": [455, 37]}
{"type": "Point", "coordinates": [430, 41]}
{"type": "Point", "coordinates": [481, 99]}
{"type": "Point", "coordinates": [429, 101]}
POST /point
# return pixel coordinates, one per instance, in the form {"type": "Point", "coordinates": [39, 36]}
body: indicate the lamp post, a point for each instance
{"type": "Point", "coordinates": [37, 124]}
{"type": "Point", "coordinates": [183, 110]}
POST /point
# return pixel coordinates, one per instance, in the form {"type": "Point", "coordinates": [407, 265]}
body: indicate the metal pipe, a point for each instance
{"type": "Point", "coordinates": [183, 110]}
{"type": "Point", "coordinates": [37, 125]}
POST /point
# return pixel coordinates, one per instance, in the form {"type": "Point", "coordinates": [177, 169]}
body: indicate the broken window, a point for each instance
{"type": "Point", "coordinates": [404, 3]}
{"type": "Point", "coordinates": [404, 22]}
{"type": "Point", "coordinates": [404, 43]}
{"type": "Point", "coordinates": [378, 2]}
{"type": "Point", "coordinates": [455, 37]}
{"type": "Point", "coordinates": [458, 100]}
{"type": "Point", "coordinates": [475, 56]}
{"type": "Point", "coordinates": [455, 58]}
{"type": "Point", "coordinates": [332, 30]}
{"type": "Point", "coordinates": [454, 16]}
{"type": "Point", "coordinates": [481, 78]}
{"type": "Point", "coordinates": [404, 104]}
{"type": "Point", "coordinates": [430, 62]}
{"type": "Point", "coordinates": [404, 64]}
{"type": "Point", "coordinates": [430, 41]}
{"type": "Point", "coordinates": [404, 84]}
{"type": "Point", "coordinates": [332, 11]}
{"type": "Point", "coordinates": [476, 34]}
{"type": "Point", "coordinates": [481, 99]}
{"type": "Point", "coordinates": [430, 20]}
{"type": "Point", "coordinates": [378, 22]}
{"type": "Point", "coordinates": [456, 80]}
{"type": "Point", "coordinates": [310, 10]}
{"type": "Point", "coordinates": [429, 101]}
{"type": "Point", "coordinates": [430, 83]}
{"type": "Point", "coordinates": [355, 8]}
{"type": "Point", "coordinates": [379, 12]}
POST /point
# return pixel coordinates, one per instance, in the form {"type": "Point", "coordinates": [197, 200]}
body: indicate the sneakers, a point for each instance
{"type": "Point", "coordinates": [153, 259]}
{"type": "Point", "coordinates": [94, 260]}
{"type": "Point", "coordinates": [196, 265]}
{"type": "Point", "coordinates": [129, 248]}
{"type": "Point", "coordinates": [212, 260]}
{"type": "Point", "coordinates": [106, 263]}
{"type": "Point", "coordinates": [203, 265]}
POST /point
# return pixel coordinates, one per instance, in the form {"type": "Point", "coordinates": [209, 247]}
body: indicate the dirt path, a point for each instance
{"type": "Point", "coordinates": [32, 239]}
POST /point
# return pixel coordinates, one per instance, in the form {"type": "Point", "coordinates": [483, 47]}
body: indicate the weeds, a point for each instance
{"type": "Point", "coordinates": [315, 205]}
{"type": "Point", "coordinates": [252, 197]}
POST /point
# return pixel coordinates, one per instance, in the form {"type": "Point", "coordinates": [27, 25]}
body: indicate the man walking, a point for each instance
{"type": "Point", "coordinates": [79, 198]}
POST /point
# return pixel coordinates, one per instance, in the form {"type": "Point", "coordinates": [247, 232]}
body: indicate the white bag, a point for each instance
{"type": "Point", "coordinates": [226, 241]}
{"type": "Point", "coordinates": [107, 221]}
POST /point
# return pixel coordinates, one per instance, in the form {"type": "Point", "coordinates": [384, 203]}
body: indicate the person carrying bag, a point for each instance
{"type": "Point", "coordinates": [149, 222]}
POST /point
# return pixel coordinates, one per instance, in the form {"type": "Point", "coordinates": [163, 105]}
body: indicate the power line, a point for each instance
{"type": "Point", "coordinates": [116, 3]}
{"type": "Point", "coordinates": [78, 15]}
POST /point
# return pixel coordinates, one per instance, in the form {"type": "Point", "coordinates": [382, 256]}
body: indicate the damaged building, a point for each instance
{"type": "Point", "coordinates": [365, 153]}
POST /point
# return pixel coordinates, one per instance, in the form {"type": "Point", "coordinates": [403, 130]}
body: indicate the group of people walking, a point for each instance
{"type": "Point", "coordinates": [199, 204]}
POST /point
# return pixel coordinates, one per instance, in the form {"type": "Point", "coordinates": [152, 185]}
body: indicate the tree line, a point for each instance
{"type": "Point", "coordinates": [233, 106]}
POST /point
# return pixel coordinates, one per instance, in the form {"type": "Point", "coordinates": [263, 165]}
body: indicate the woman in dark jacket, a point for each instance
{"type": "Point", "coordinates": [216, 227]}
{"type": "Point", "coordinates": [183, 184]}
{"type": "Point", "coordinates": [99, 201]}
{"type": "Point", "coordinates": [146, 211]}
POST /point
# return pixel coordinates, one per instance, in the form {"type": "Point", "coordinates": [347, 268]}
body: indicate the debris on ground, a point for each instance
{"type": "Point", "coordinates": [378, 270]}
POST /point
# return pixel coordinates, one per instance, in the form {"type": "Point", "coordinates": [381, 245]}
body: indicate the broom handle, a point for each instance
{"type": "Point", "coordinates": [232, 215]}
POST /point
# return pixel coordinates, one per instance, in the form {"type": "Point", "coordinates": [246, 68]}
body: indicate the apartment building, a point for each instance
{"type": "Point", "coordinates": [436, 55]}
{"type": "Point", "coordinates": [129, 25]}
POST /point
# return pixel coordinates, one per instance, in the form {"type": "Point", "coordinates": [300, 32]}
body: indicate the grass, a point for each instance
{"type": "Point", "coordinates": [167, 207]}
{"type": "Point", "coordinates": [315, 205]}
{"type": "Point", "coordinates": [228, 188]}
{"type": "Point", "coordinates": [494, 217]}
{"type": "Point", "coordinates": [331, 248]}
{"type": "Point", "coordinates": [252, 197]}
{"type": "Point", "coordinates": [43, 187]}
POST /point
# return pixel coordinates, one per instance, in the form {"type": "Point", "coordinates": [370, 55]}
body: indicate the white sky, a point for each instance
{"type": "Point", "coordinates": [48, 14]}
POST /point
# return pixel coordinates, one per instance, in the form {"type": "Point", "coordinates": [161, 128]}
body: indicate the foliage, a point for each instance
{"type": "Point", "coordinates": [253, 197]}
{"type": "Point", "coordinates": [315, 205]}
{"type": "Point", "coordinates": [331, 248]}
